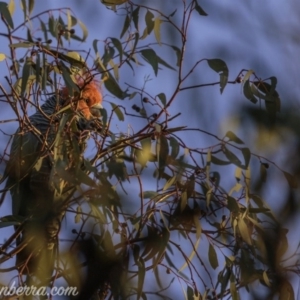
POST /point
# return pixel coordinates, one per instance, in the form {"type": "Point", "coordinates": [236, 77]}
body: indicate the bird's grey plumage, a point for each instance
{"type": "Point", "coordinates": [29, 170]}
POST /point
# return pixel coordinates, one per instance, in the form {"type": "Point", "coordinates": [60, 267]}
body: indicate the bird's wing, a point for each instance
{"type": "Point", "coordinates": [23, 156]}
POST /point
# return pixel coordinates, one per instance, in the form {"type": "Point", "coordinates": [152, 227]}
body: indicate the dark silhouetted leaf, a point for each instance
{"type": "Point", "coordinates": [247, 155]}
{"type": "Point", "coordinates": [71, 85]}
{"type": "Point", "coordinates": [118, 46]}
{"type": "Point", "coordinates": [149, 194]}
{"type": "Point", "coordinates": [125, 26]}
{"type": "Point", "coordinates": [141, 277]}
{"type": "Point", "coordinates": [248, 92]}
{"type": "Point", "coordinates": [30, 6]}
{"type": "Point", "coordinates": [232, 157]}
{"type": "Point", "coordinates": [162, 98]}
{"type": "Point", "coordinates": [149, 21]}
{"type": "Point", "coordinates": [218, 161]}
{"type": "Point", "coordinates": [25, 75]}
{"type": "Point", "coordinates": [232, 137]}
{"type": "Point", "coordinates": [117, 111]}
{"type": "Point", "coordinates": [212, 256]}
{"type": "Point", "coordinates": [174, 147]}
{"type": "Point", "coordinates": [178, 55]}
{"type": "Point", "coordinates": [263, 173]}
{"type": "Point", "coordinates": [6, 14]}
{"type": "Point", "coordinates": [150, 56]}
{"type": "Point", "coordinates": [190, 293]}
{"type": "Point", "coordinates": [164, 63]}
{"type": "Point", "coordinates": [22, 45]}
{"type": "Point", "coordinates": [199, 9]}
{"type": "Point", "coordinates": [219, 66]}
{"type": "Point", "coordinates": [113, 87]}
{"type": "Point", "coordinates": [135, 17]}
{"type": "Point", "coordinates": [232, 204]}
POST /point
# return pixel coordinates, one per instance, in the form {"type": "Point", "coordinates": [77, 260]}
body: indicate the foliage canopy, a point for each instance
{"type": "Point", "coordinates": [149, 201]}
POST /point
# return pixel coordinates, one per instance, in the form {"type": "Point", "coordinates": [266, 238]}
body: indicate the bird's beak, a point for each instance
{"type": "Point", "coordinates": [97, 106]}
{"type": "Point", "coordinates": [96, 110]}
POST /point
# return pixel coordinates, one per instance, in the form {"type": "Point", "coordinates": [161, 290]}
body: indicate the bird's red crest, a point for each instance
{"type": "Point", "coordinates": [89, 96]}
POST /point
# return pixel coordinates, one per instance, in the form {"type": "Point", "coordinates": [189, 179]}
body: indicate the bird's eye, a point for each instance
{"type": "Point", "coordinates": [87, 100]}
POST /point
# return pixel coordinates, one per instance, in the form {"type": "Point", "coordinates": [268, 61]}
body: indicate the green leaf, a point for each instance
{"type": "Point", "coordinates": [125, 26]}
{"type": "Point", "coordinates": [29, 37]}
{"type": "Point", "coordinates": [164, 63]}
{"type": "Point", "coordinates": [247, 155]}
{"type": "Point", "coordinates": [150, 56]}
{"type": "Point", "coordinates": [113, 87]}
{"type": "Point", "coordinates": [72, 57]}
{"type": "Point", "coordinates": [73, 21]}
{"type": "Point", "coordinates": [248, 92]}
{"type": "Point", "coordinates": [212, 256]}
{"type": "Point", "coordinates": [45, 72]}
{"type": "Point", "coordinates": [6, 14]}
{"type": "Point", "coordinates": [25, 75]}
{"type": "Point", "coordinates": [163, 243]}
{"type": "Point", "coordinates": [149, 21]}
{"type": "Point", "coordinates": [232, 158]}
{"type": "Point", "coordinates": [219, 66]}
{"type": "Point", "coordinates": [84, 30]}
{"type": "Point", "coordinates": [157, 23]}
{"type": "Point", "coordinates": [2, 56]}
{"type": "Point", "coordinates": [38, 68]}
{"type": "Point", "coordinates": [11, 7]}
{"type": "Point", "coordinates": [78, 214]}
{"type": "Point", "coordinates": [119, 47]}
{"type": "Point", "coordinates": [70, 84]}
{"type": "Point", "coordinates": [232, 137]}
{"type": "Point", "coordinates": [238, 174]}
{"type": "Point", "coordinates": [215, 160]}
{"type": "Point", "coordinates": [44, 29]}
{"type": "Point", "coordinates": [190, 293]}
{"type": "Point", "coordinates": [144, 156]}
{"type": "Point", "coordinates": [114, 2]}
{"type": "Point", "coordinates": [117, 111]}
{"type": "Point", "coordinates": [173, 13]}
{"type": "Point", "coordinates": [174, 147]}
{"type": "Point", "coordinates": [162, 98]}
{"type": "Point", "coordinates": [135, 17]}
{"type": "Point", "coordinates": [233, 291]}
{"type": "Point", "coordinates": [247, 75]}
{"type": "Point", "coordinates": [197, 225]}
{"type": "Point", "coordinates": [183, 200]}
{"type": "Point", "coordinates": [263, 172]}
{"type": "Point", "coordinates": [30, 6]}
{"type": "Point", "coordinates": [22, 45]}
{"type": "Point", "coordinates": [199, 9]}
{"type": "Point", "coordinates": [149, 194]}
{"type": "Point", "coordinates": [52, 25]}
{"type": "Point", "coordinates": [85, 179]}
{"type": "Point", "coordinates": [170, 182]}
{"type": "Point", "coordinates": [243, 228]}
{"type": "Point", "coordinates": [11, 220]}
{"type": "Point", "coordinates": [178, 55]}
{"type": "Point", "coordinates": [162, 152]}
{"type": "Point", "coordinates": [232, 204]}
